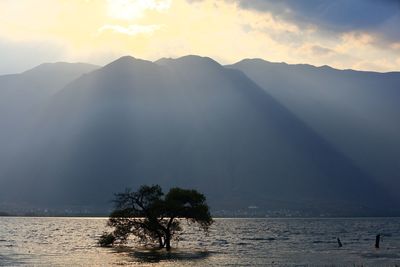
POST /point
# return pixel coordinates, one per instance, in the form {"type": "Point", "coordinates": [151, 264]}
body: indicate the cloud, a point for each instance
{"type": "Point", "coordinates": [379, 16]}
{"type": "Point", "coordinates": [317, 50]}
{"type": "Point", "coordinates": [131, 29]}
{"type": "Point", "coordinates": [396, 46]}
{"type": "Point", "coordinates": [134, 9]}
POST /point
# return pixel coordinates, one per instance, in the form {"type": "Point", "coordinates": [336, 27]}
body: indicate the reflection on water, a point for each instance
{"type": "Point", "coordinates": [156, 256]}
{"type": "Point", "coordinates": [250, 242]}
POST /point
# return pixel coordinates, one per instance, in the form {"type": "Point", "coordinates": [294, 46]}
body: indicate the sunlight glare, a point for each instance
{"type": "Point", "coordinates": [134, 9]}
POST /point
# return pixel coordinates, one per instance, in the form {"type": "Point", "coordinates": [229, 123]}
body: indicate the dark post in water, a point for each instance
{"type": "Point", "coordinates": [377, 240]}
{"type": "Point", "coordinates": [339, 243]}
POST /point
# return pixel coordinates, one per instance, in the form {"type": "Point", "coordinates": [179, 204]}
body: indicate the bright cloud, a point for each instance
{"type": "Point", "coordinates": [134, 9]}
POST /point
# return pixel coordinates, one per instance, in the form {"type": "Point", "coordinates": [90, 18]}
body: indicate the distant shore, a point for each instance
{"type": "Point", "coordinates": [6, 214]}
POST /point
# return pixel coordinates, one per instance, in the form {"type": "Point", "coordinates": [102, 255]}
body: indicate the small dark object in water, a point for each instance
{"type": "Point", "coordinates": [377, 240]}
{"type": "Point", "coordinates": [106, 240]}
{"type": "Point", "coordinates": [339, 243]}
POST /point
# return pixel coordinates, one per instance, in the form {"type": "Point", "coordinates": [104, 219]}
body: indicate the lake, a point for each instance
{"type": "Point", "coordinates": [244, 242]}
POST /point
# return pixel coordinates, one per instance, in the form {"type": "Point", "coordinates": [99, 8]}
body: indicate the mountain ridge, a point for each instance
{"type": "Point", "coordinates": [205, 57]}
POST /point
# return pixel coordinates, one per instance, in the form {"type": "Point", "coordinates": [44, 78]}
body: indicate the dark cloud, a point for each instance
{"type": "Point", "coordinates": [380, 16]}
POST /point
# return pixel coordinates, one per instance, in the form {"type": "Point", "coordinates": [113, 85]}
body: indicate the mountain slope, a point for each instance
{"type": "Point", "coordinates": [187, 122]}
{"type": "Point", "coordinates": [23, 95]}
{"type": "Point", "coordinates": [357, 112]}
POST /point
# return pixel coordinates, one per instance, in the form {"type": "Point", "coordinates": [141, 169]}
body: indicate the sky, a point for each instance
{"type": "Point", "coordinates": [345, 34]}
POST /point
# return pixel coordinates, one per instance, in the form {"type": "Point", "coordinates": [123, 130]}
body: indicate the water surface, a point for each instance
{"type": "Point", "coordinates": [246, 242]}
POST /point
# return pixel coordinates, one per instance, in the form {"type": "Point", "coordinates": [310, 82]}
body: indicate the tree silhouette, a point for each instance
{"type": "Point", "coordinates": [153, 217]}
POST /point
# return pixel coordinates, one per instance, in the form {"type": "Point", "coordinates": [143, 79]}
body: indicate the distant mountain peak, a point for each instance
{"type": "Point", "coordinates": [126, 60]}
{"type": "Point", "coordinates": [128, 64]}
{"type": "Point", "coordinates": [254, 60]}
{"type": "Point", "coordinates": [191, 60]}
{"type": "Point", "coordinates": [260, 61]}
{"type": "Point", "coordinates": [196, 58]}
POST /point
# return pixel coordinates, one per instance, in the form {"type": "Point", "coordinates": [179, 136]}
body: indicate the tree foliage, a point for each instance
{"type": "Point", "coordinates": [154, 217]}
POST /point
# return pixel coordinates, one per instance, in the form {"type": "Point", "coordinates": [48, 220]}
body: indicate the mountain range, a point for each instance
{"type": "Point", "coordinates": [256, 133]}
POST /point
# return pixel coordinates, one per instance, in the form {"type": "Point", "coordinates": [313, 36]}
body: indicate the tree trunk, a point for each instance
{"type": "Point", "coordinates": [160, 242]}
{"type": "Point", "coordinates": [168, 241]}
{"type": "Point", "coordinates": [168, 234]}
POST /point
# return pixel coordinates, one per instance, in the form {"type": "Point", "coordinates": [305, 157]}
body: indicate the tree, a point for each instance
{"type": "Point", "coordinates": [152, 216]}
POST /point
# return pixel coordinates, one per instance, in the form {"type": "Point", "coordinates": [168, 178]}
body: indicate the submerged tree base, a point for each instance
{"type": "Point", "coordinates": [155, 256]}
{"type": "Point", "coordinates": [106, 240]}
